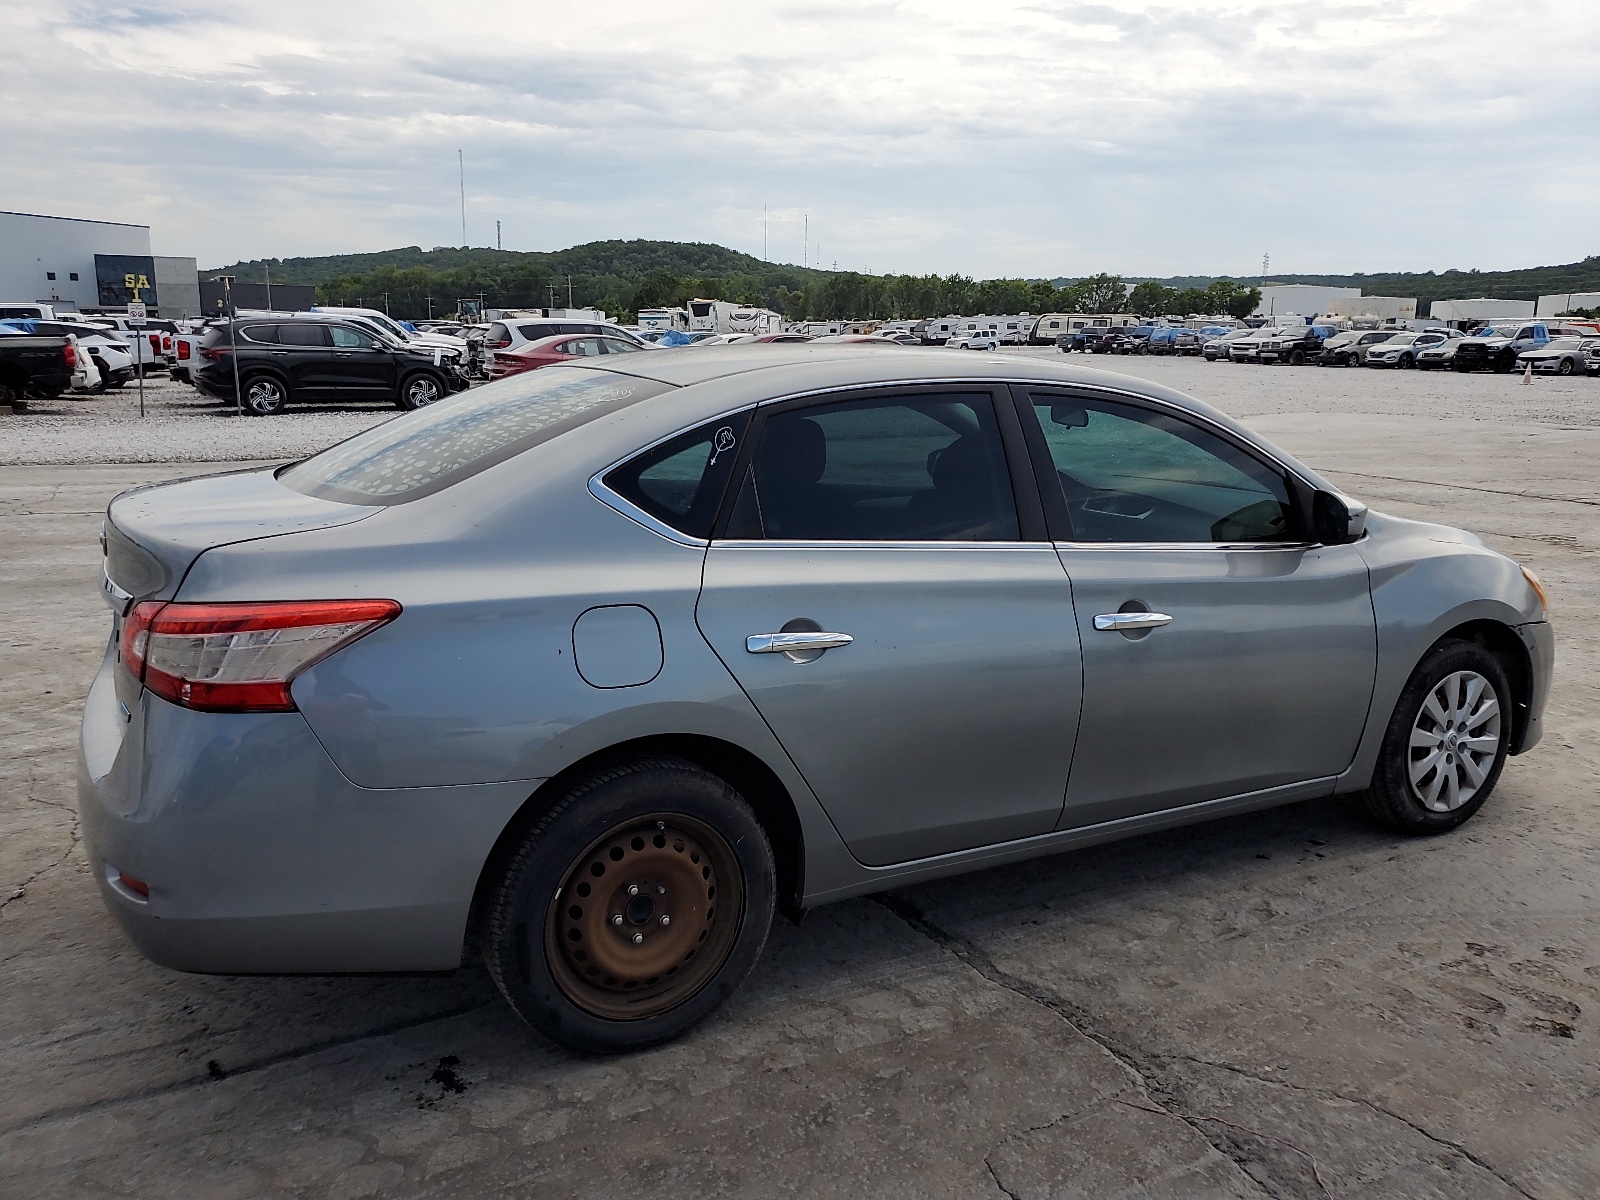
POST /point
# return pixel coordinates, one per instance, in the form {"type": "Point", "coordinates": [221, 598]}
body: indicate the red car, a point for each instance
{"type": "Point", "coordinates": [782, 337]}
{"type": "Point", "coordinates": [556, 349]}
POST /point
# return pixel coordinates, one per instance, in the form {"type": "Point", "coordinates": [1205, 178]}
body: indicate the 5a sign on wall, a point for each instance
{"type": "Point", "coordinates": [126, 279]}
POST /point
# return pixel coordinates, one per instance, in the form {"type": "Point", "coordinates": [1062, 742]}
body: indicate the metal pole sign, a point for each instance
{"type": "Point", "coordinates": [136, 322]}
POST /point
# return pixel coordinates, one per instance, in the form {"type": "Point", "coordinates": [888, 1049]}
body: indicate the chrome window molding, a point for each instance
{"type": "Point", "coordinates": [1231, 547]}
{"type": "Point", "coordinates": [885, 544]}
{"type": "Point", "coordinates": [634, 513]}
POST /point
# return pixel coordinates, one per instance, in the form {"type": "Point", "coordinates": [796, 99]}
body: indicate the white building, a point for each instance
{"type": "Point", "coordinates": [75, 264]}
{"type": "Point", "coordinates": [1378, 308]}
{"type": "Point", "coordinates": [1554, 306]}
{"type": "Point", "coordinates": [1482, 309]}
{"type": "Point", "coordinates": [1300, 299]}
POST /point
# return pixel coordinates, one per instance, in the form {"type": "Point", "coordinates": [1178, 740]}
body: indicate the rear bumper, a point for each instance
{"type": "Point", "coordinates": [260, 856]}
{"type": "Point", "coordinates": [1540, 640]}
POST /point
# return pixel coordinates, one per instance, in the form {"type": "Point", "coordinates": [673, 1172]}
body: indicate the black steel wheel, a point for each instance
{"type": "Point", "coordinates": [632, 907]}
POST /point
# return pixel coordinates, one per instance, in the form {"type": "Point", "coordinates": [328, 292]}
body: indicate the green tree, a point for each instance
{"type": "Point", "coordinates": [1151, 299]}
{"type": "Point", "coordinates": [1104, 294]}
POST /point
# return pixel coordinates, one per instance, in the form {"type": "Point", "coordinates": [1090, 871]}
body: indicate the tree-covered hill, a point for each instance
{"type": "Point", "coordinates": [625, 276]}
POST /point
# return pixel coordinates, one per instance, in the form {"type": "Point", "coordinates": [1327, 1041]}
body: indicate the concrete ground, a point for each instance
{"type": "Point", "coordinates": [1289, 1004]}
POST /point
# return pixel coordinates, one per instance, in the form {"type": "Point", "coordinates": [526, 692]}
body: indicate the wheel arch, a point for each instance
{"type": "Point", "coordinates": [1509, 650]}
{"type": "Point", "coordinates": [742, 770]}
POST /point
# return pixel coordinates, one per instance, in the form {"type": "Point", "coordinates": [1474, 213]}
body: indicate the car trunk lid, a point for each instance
{"type": "Point", "coordinates": [154, 534]}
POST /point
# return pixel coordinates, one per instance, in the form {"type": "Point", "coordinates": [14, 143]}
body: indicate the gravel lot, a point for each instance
{"type": "Point", "coordinates": [182, 426]}
{"type": "Point", "coordinates": [1287, 1004]}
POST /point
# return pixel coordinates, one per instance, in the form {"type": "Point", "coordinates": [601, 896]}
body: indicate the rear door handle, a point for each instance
{"type": "Point", "coordinates": [787, 643]}
{"type": "Point", "coordinates": [1121, 622]}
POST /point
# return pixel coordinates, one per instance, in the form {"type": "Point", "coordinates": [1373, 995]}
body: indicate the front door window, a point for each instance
{"type": "Point", "coordinates": [1131, 474]}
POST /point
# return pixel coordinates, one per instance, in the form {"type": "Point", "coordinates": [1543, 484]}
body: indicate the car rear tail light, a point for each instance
{"type": "Point", "coordinates": [70, 355]}
{"type": "Point", "coordinates": [183, 349]}
{"type": "Point", "coordinates": [240, 657]}
{"type": "Point", "coordinates": [500, 345]}
{"type": "Point", "coordinates": [214, 353]}
{"type": "Point", "coordinates": [166, 343]}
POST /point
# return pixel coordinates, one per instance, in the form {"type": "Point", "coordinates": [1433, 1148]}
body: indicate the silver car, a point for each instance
{"type": "Point", "coordinates": [602, 664]}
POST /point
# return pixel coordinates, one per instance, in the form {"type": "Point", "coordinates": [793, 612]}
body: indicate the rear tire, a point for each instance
{"type": "Point", "coordinates": [632, 908]}
{"type": "Point", "coordinates": [264, 396]}
{"type": "Point", "coordinates": [1446, 742]}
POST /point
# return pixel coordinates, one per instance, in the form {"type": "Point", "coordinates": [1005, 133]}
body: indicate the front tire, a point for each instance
{"type": "Point", "coordinates": [1446, 742]}
{"type": "Point", "coordinates": [1407, 362]}
{"type": "Point", "coordinates": [1297, 359]}
{"type": "Point", "coordinates": [632, 908]}
{"type": "Point", "coordinates": [1566, 367]}
{"type": "Point", "coordinates": [420, 390]}
{"type": "Point", "coordinates": [264, 396]}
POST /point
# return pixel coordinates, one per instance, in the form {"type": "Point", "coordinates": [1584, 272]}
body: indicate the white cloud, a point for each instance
{"type": "Point", "coordinates": [1038, 137]}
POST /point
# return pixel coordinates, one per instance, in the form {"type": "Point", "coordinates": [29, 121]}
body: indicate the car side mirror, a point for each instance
{"type": "Point", "coordinates": [1069, 416]}
{"type": "Point", "coordinates": [1337, 519]}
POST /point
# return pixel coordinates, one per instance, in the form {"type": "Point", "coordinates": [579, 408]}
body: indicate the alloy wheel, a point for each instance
{"type": "Point", "coordinates": [1454, 740]}
{"type": "Point", "coordinates": [421, 391]}
{"type": "Point", "coordinates": [645, 917]}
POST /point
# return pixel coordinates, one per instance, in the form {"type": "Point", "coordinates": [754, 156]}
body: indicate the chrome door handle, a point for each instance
{"type": "Point", "coordinates": [1121, 622]}
{"type": "Point", "coordinates": [788, 643]}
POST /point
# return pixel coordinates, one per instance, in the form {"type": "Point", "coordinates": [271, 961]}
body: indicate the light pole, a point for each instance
{"type": "Point", "coordinates": [233, 340]}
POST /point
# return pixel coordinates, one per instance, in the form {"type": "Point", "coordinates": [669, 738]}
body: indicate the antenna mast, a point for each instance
{"type": "Point", "coordinates": [461, 166]}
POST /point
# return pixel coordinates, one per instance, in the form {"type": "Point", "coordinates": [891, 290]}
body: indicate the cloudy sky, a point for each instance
{"type": "Point", "coordinates": [1011, 137]}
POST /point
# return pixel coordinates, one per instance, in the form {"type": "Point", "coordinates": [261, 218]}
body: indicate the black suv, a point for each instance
{"type": "Point", "coordinates": [314, 359]}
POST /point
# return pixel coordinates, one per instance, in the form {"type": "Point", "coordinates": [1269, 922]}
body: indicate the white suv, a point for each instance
{"type": "Point", "coordinates": [975, 339]}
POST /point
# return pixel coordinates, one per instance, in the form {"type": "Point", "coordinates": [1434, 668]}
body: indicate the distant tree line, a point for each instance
{"type": "Point", "coordinates": [416, 292]}
{"type": "Point", "coordinates": [1153, 299]}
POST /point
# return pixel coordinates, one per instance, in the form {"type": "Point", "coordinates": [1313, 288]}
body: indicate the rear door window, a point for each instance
{"type": "Point", "coordinates": [264, 334]}
{"type": "Point", "coordinates": [534, 332]}
{"type": "Point", "coordinates": [926, 467]}
{"type": "Point", "coordinates": [305, 334]}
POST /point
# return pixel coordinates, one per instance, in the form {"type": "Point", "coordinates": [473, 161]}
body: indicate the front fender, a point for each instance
{"type": "Point", "coordinates": [1427, 580]}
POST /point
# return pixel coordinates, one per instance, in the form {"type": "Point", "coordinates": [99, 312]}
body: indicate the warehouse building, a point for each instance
{"type": "Point", "coordinates": [1554, 306]}
{"type": "Point", "coordinates": [1464, 312]}
{"type": "Point", "coordinates": [1299, 299]}
{"type": "Point", "coordinates": [91, 266]}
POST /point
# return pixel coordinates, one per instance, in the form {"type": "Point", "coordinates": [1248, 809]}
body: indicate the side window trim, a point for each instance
{"type": "Point", "coordinates": [1055, 504]}
{"type": "Point", "coordinates": [1031, 519]}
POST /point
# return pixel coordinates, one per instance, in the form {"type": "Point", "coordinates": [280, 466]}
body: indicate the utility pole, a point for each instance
{"type": "Point", "coordinates": [552, 288]}
{"type": "Point", "coordinates": [269, 287]}
{"type": "Point", "coordinates": [461, 166]}
{"type": "Point", "coordinates": [569, 291]}
{"type": "Point", "coordinates": [763, 233]}
{"type": "Point", "coordinates": [233, 340]}
{"type": "Point", "coordinates": [805, 243]}
{"type": "Point", "coordinates": [386, 304]}
{"type": "Point", "coordinates": [429, 299]}
{"type": "Point", "coordinates": [497, 233]}
{"type": "Point", "coordinates": [1266, 261]}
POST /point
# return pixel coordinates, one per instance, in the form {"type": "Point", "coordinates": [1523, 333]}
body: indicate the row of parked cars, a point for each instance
{"type": "Point", "coordinates": [1543, 347]}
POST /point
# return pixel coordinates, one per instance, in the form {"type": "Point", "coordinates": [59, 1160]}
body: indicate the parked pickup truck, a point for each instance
{"type": "Point", "coordinates": [34, 366]}
{"type": "Point", "coordinates": [1496, 347]}
{"type": "Point", "coordinates": [1295, 344]}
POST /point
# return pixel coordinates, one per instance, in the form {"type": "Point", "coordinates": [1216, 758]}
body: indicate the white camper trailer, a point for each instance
{"type": "Point", "coordinates": [755, 320]}
{"type": "Point", "coordinates": [664, 319]}
{"type": "Point", "coordinates": [711, 316]}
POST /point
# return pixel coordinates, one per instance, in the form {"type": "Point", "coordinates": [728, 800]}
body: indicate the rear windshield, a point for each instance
{"type": "Point", "coordinates": [427, 450]}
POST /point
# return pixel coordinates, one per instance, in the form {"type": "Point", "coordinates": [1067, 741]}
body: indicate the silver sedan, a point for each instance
{"type": "Point", "coordinates": [603, 664]}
